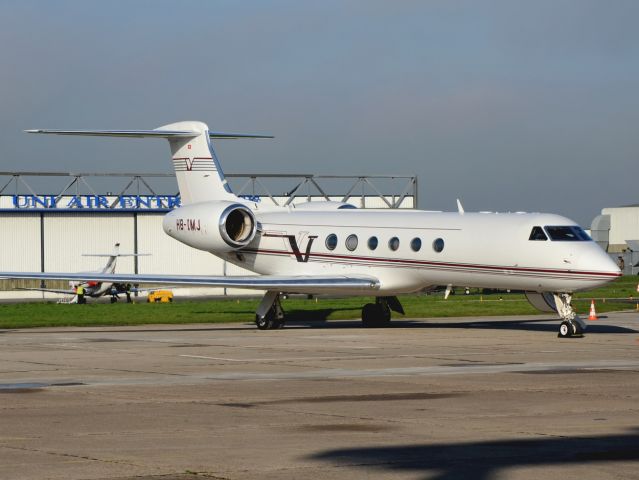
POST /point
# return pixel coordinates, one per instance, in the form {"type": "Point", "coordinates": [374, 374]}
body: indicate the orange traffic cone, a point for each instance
{"type": "Point", "coordinates": [593, 313]}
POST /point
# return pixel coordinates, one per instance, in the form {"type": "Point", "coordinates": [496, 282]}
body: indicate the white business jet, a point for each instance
{"type": "Point", "coordinates": [334, 248]}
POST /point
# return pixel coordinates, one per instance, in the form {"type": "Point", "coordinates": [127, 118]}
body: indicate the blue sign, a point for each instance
{"type": "Point", "coordinates": [97, 202]}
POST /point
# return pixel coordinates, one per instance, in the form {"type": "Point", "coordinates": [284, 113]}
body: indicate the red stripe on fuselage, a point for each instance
{"type": "Point", "coordinates": [505, 269]}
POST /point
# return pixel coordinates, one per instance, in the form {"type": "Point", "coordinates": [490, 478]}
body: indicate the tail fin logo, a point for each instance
{"type": "Point", "coordinates": [186, 164]}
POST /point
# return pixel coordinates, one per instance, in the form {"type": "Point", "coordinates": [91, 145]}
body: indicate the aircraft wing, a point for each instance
{"type": "Point", "coordinates": [73, 292]}
{"type": "Point", "coordinates": [280, 283]}
{"type": "Point", "coordinates": [154, 288]}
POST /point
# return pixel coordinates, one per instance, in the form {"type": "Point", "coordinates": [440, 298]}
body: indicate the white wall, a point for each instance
{"type": "Point", "coordinates": [19, 242]}
{"type": "Point", "coordinates": [68, 236]}
{"type": "Point", "coordinates": [624, 224]}
{"type": "Point", "coordinates": [19, 249]}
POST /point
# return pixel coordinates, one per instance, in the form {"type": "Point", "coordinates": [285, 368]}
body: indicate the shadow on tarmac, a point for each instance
{"type": "Point", "coordinates": [487, 460]}
{"type": "Point", "coordinates": [317, 319]}
{"type": "Point", "coordinates": [536, 325]}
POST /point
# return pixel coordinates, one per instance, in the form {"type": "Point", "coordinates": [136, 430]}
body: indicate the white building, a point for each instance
{"type": "Point", "coordinates": [617, 231]}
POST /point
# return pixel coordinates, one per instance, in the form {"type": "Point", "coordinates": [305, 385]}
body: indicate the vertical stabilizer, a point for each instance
{"type": "Point", "coordinates": [113, 259]}
{"type": "Point", "coordinates": [197, 169]}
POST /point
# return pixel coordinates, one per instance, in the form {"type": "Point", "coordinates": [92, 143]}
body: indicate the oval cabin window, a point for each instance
{"type": "Point", "coordinates": [331, 241]}
{"type": "Point", "coordinates": [351, 242]}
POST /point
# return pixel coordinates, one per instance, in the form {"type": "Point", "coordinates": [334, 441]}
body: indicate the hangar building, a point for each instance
{"type": "Point", "coordinates": [51, 232]}
{"type": "Point", "coordinates": [616, 230]}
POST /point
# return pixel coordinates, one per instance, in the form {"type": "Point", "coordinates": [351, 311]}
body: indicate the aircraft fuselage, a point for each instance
{"type": "Point", "coordinates": [415, 250]}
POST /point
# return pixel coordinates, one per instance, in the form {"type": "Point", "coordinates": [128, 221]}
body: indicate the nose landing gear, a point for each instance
{"type": "Point", "coordinates": [571, 325]}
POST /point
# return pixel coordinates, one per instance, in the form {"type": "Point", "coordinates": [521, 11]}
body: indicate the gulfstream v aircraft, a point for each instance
{"type": "Point", "coordinates": [334, 248]}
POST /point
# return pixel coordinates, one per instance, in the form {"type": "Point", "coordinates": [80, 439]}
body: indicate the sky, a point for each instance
{"type": "Point", "coordinates": [508, 105]}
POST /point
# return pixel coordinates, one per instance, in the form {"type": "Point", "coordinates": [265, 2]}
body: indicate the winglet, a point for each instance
{"type": "Point", "coordinates": [460, 208]}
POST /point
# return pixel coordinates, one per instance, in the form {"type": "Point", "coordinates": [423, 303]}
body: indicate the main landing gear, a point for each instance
{"type": "Point", "coordinates": [378, 314]}
{"type": "Point", "coordinates": [571, 325]}
{"type": "Point", "coordinates": [270, 315]}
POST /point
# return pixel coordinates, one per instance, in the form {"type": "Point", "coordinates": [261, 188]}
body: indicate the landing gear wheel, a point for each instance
{"type": "Point", "coordinates": [566, 329]}
{"type": "Point", "coordinates": [577, 330]}
{"type": "Point", "coordinates": [269, 315]}
{"type": "Point", "coordinates": [571, 325]}
{"type": "Point", "coordinates": [278, 323]}
{"type": "Point", "coordinates": [374, 315]}
{"type": "Point", "coordinates": [368, 315]}
{"type": "Point", "coordinates": [268, 321]}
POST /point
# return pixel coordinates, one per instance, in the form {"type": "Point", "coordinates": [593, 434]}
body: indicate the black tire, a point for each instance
{"type": "Point", "coordinates": [565, 329]}
{"type": "Point", "coordinates": [268, 322]}
{"type": "Point", "coordinates": [263, 323]}
{"type": "Point", "coordinates": [277, 323]}
{"type": "Point", "coordinates": [369, 313]}
{"type": "Point", "coordinates": [374, 315]}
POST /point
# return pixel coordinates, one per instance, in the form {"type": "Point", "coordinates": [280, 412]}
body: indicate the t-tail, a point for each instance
{"type": "Point", "coordinates": [197, 169]}
{"type": "Point", "coordinates": [113, 258]}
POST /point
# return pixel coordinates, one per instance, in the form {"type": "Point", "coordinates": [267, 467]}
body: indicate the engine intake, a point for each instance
{"type": "Point", "coordinates": [237, 226]}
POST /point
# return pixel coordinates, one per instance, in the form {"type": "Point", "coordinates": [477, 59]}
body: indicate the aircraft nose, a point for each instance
{"type": "Point", "coordinates": [610, 266]}
{"type": "Point", "coordinates": [603, 266]}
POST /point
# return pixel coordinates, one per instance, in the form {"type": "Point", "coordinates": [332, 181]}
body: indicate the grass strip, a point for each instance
{"type": "Point", "coordinates": [619, 295]}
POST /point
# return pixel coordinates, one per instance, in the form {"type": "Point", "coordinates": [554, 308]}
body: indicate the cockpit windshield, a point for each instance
{"type": "Point", "coordinates": [570, 233]}
{"type": "Point", "coordinates": [537, 234]}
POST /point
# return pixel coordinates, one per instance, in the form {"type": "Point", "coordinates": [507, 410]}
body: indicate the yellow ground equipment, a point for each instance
{"type": "Point", "coordinates": [160, 296]}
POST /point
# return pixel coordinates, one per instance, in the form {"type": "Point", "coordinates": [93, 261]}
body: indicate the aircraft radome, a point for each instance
{"type": "Point", "coordinates": [335, 248]}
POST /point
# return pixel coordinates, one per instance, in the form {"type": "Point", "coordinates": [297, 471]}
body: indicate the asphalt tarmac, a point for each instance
{"type": "Point", "coordinates": [442, 398]}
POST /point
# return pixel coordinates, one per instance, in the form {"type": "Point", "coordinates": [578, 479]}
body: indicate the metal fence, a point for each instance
{"type": "Point", "coordinates": [280, 189]}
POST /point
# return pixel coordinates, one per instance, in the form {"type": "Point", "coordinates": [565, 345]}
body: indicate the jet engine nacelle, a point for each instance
{"type": "Point", "coordinates": [212, 226]}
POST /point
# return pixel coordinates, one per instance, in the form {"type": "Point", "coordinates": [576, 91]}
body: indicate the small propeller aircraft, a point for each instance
{"type": "Point", "coordinates": [94, 288]}
{"type": "Point", "coordinates": [335, 248]}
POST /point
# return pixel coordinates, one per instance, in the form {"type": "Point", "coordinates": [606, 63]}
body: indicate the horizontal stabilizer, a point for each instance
{"type": "Point", "coordinates": [234, 136]}
{"type": "Point", "coordinates": [116, 254]}
{"type": "Point", "coordinates": [158, 133]}
{"type": "Point", "coordinates": [122, 133]}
